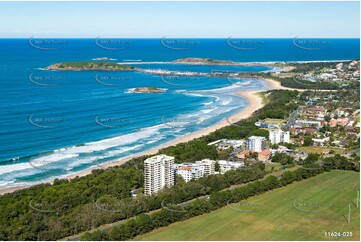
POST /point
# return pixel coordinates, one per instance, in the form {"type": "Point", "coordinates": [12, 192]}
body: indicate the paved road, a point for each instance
{"type": "Point", "coordinates": [292, 118]}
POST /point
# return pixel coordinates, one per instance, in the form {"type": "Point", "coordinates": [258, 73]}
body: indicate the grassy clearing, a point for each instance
{"type": "Point", "coordinates": [301, 211]}
{"type": "Point", "coordinates": [315, 149]}
{"type": "Point", "coordinates": [273, 120]}
{"type": "Point", "coordinates": [264, 97]}
{"type": "Point", "coordinates": [275, 166]}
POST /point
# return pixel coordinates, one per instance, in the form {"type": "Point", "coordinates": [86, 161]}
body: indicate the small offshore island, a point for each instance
{"type": "Point", "coordinates": [89, 66]}
{"type": "Point", "coordinates": [149, 90]}
{"type": "Point", "coordinates": [203, 61]}
{"type": "Point", "coordinates": [215, 62]}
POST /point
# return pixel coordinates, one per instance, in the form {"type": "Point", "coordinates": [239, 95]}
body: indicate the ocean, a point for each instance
{"type": "Point", "coordinates": [55, 124]}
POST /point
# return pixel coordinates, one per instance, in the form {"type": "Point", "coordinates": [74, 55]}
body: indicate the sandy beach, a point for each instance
{"type": "Point", "coordinates": [253, 98]}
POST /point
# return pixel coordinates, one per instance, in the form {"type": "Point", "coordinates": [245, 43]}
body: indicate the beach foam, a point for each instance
{"type": "Point", "coordinates": [92, 154]}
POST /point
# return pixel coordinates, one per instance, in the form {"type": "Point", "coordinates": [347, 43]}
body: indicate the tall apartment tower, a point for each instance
{"type": "Point", "coordinates": [277, 136]}
{"type": "Point", "coordinates": [158, 173]}
{"type": "Point", "coordinates": [256, 143]}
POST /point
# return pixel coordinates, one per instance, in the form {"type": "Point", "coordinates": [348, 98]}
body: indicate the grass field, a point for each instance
{"type": "Point", "coordinates": [273, 120]}
{"type": "Point", "coordinates": [276, 166]}
{"type": "Point", "coordinates": [301, 211]}
{"type": "Point", "coordinates": [315, 149]}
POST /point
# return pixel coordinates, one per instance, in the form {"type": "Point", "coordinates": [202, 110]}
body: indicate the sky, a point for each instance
{"type": "Point", "coordinates": [180, 19]}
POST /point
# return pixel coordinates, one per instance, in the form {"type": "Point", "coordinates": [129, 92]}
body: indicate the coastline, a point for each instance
{"type": "Point", "coordinates": [247, 63]}
{"type": "Point", "coordinates": [253, 98]}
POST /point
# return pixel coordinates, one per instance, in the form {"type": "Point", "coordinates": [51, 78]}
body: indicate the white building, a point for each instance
{"type": "Point", "coordinates": [223, 144]}
{"type": "Point", "coordinates": [278, 136]}
{"type": "Point", "coordinates": [308, 123]}
{"type": "Point", "coordinates": [209, 166]}
{"type": "Point", "coordinates": [339, 66]}
{"type": "Point", "coordinates": [226, 144]}
{"type": "Point", "coordinates": [256, 143]}
{"type": "Point", "coordinates": [321, 142]}
{"type": "Point", "coordinates": [190, 171]}
{"type": "Point", "coordinates": [158, 173]}
{"type": "Point", "coordinates": [228, 165]}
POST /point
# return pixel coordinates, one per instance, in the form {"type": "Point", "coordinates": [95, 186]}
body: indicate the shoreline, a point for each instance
{"type": "Point", "coordinates": [247, 63]}
{"type": "Point", "coordinates": [252, 97]}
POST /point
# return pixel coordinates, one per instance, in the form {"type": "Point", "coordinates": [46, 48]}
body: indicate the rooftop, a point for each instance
{"type": "Point", "coordinates": [265, 152]}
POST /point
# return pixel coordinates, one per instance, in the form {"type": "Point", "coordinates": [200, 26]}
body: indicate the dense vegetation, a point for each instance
{"type": "Point", "coordinates": [73, 204]}
{"type": "Point", "coordinates": [69, 205]}
{"type": "Point", "coordinates": [294, 82]}
{"type": "Point", "coordinates": [145, 223]}
{"type": "Point", "coordinates": [92, 66]}
{"type": "Point", "coordinates": [203, 61]}
{"type": "Point", "coordinates": [69, 208]}
{"type": "Point", "coordinates": [313, 66]}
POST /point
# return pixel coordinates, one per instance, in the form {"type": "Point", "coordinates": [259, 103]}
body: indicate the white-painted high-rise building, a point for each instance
{"type": "Point", "coordinates": [158, 173]}
{"type": "Point", "coordinates": [209, 166]}
{"type": "Point", "coordinates": [278, 136]}
{"type": "Point", "coordinates": [256, 143]}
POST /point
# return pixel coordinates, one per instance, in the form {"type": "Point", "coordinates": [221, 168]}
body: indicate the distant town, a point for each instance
{"type": "Point", "coordinates": [341, 72]}
{"type": "Point", "coordinates": [325, 123]}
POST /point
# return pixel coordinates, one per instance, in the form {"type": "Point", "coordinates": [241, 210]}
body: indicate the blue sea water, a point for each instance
{"type": "Point", "coordinates": [55, 124]}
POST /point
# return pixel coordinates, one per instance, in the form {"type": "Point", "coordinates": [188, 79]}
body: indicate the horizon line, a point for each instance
{"type": "Point", "coordinates": [33, 37]}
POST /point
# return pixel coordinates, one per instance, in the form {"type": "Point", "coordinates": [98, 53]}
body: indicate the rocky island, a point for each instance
{"type": "Point", "coordinates": [103, 59]}
{"type": "Point", "coordinates": [148, 90]}
{"type": "Point", "coordinates": [203, 61]}
{"type": "Point", "coordinates": [210, 61]}
{"type": "Point", "coordinates": [89, 66]}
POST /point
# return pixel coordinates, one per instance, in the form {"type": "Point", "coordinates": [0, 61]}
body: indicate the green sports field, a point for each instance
{"type": "Point", "coordinates": [304, 210]}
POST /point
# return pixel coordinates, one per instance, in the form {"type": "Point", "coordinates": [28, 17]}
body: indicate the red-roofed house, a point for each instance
{"type": "Point", "coordinates": [339, 121]}
{"type": "Point", "coordinates": [243, 154]}
{"type": "Point", "coordinates": [264, 155]}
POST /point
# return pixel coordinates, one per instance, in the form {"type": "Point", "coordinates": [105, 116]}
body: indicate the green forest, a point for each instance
{"type": "Point", "coordinates": [52, 212]}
